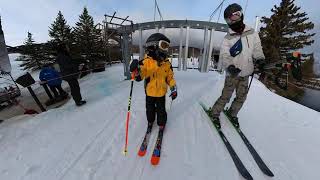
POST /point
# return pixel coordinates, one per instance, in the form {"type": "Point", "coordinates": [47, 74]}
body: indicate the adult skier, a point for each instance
{"type": "Point", "coordinates": [156, 70]}
{"type": "Point", "coordinates": [70, 72]}
{"type": "Point", "coordinates": [240, 51]}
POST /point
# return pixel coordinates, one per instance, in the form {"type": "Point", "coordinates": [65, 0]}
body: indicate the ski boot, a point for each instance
{"type": "Point", "coordinates": [80, 103]}
{"type": "Point", "coordinates": [216, 122]}
{"type": "Point", "coordinates": [234, 120]}
{"type": "Point", "coordinates": [161, 128]}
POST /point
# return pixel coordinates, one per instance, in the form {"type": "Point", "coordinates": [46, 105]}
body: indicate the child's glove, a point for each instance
{"type": "Point", "coordinates": [174, 93]}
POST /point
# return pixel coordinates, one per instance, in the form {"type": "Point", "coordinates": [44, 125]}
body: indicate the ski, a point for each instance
{"type": "Point", "coordinates": [144, 144]}
{"type": "Point", "coordinates": [157, 149]}
{"type": "Point", "coordinates": [263, 167]}
{"type": "Point", "coordinates": [236, 160]}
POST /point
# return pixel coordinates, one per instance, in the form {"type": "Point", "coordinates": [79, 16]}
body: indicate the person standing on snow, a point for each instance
{"type": "Point", "coordinates": [240, 51]}
{"type": "Point", "coordinates": [70, 72]}
{"type": "Point", "coordinates": [157, 72]}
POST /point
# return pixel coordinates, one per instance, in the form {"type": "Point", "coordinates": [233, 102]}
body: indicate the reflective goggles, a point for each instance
{"type": "Point", "coordinates": [163, 45]}
{"type": "Point", "coordinates": [234, 17]}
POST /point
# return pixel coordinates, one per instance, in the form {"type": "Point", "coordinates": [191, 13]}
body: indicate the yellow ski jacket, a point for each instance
{"type": "Point", "coordinates": [157, 77]}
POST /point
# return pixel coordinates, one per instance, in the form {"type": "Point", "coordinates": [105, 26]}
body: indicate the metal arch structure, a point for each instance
{"type": "Point", "coordinates": [179, 23]}
{"type": "Point", "coordinates": [208, 27]}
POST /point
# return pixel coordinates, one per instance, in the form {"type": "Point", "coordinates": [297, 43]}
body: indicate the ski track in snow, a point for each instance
{"type": "Point", "coordinates": [86, 143]}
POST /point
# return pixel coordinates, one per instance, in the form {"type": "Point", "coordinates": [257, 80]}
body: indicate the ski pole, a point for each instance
{"type": "Point", "coordinates": [251, 80]}
{"type": "Point", "coordinates": [128, 115]}
{"type": "Point", "coordinates": [170, 105]}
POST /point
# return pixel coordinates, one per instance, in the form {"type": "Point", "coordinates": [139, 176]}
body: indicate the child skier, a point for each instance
{"type": "Point", "coordinates": [240, 51]}
{"type": "Point", "coordinates": [157, 72]}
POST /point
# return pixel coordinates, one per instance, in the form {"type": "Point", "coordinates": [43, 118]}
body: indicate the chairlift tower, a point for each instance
{"type": "Point", "coordinates": [123, 28]}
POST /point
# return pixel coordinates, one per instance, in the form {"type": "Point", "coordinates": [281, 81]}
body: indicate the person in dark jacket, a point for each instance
{"type": "Point", "coordinates": [70, 72]}
{"type": "Point", "coordinates": [49, 75]}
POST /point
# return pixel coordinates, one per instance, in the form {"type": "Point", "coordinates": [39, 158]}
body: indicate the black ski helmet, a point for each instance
{"type": "Point", "coordinates": [235, 25]}
{"type": "Point", "coordinates": [152, 46]}
{"type": "Point", "coordinates": [156, 37]}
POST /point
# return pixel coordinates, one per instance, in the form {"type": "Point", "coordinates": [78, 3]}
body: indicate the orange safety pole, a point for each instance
{"type": "Point", "coordinates": [128, 115]}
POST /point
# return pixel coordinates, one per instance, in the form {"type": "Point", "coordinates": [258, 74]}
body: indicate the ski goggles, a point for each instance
{"type": "Point", "coordinates": [162, 45]}
{"type": "Point", "coordinates": [234, 17]}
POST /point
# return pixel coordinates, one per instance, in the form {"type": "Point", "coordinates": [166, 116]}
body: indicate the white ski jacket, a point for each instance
{"type": "Point", "coordinates": [251, 51]}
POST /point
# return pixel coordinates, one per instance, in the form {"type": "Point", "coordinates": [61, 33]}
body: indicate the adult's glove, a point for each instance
{"type": "Point", "coordinates": [174, 93]}
{"type": "Point", "coordinates": [233, 70]}
{"type": "Point", "coordinates": [220, 71]}
{"type": "Point", "coordinates": [134, 65]}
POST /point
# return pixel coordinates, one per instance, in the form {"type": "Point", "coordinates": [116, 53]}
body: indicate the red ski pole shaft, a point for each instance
{"type": "Point", "coordinates": [128, 115]}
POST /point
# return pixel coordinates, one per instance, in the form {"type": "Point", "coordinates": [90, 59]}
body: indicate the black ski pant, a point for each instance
{"type": "Point", "coordinates": [75, 89]}
{"type": "Point", "coordinates": [156, 107]}
{"type": "Point", "coordinates": [55, 90]}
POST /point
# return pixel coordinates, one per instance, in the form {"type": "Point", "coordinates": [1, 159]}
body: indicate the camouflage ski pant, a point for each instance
{"type": "Point", "coordinates": [240, 84]}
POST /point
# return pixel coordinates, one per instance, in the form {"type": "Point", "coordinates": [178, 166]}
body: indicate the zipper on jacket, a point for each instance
{"type": "Point", "coordinates": [248, 46]}
{"type": "Point", "coordinates": [156, 76]}
{"type": "Point", "coordinates": [247, 41]}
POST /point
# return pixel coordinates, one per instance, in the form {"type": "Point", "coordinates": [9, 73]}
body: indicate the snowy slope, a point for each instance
{"type": "Point", "coordinates": [86, 143]}
{"type": "Point", "coordinates": [17, 72]}
{"type": "Point", "coordinates": [16, 69]}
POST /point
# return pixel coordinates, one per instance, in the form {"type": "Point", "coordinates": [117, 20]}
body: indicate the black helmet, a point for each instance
{"type": "Point", "coordinates": [157, 46]}
{"type": "Point", "coordinates": [156, 37]}
{"type": "Point", "coordinates": [234, 17]}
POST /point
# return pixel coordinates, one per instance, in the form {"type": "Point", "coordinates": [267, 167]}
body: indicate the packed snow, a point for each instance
{"type": "Point", "coordinates": [86, 143]}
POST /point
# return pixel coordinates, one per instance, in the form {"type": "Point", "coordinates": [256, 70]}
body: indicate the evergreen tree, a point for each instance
{"type": "Point", "coordinates": [87, 37]}
{"type": "Point", "coordinates": [285, 31]}
{"type": "Point", "coordinates": [29, 41]}
{"type": "Point", "coordinates": [60, 31]}
{"type": "Point", "coordinates": [33, 55]}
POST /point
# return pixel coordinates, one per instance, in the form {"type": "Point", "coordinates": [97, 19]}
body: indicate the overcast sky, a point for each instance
{"type": "Point", "coordinates": [21, 16]}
